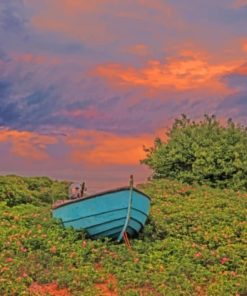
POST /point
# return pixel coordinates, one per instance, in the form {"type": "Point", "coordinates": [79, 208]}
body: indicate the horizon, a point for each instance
{"type": "Point", "coordinates": [85, 85]}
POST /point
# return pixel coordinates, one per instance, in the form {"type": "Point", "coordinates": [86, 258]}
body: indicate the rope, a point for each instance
{"type": "Point", "coordinates": [126, 240]}
{"type": "Point", "coordinates": [128, 211]}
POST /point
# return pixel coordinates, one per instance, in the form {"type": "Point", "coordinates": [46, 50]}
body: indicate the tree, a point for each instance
{"type": "Point", "coordinates": [205, 152]}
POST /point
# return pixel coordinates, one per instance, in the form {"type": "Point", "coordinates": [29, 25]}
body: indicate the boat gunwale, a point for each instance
{"type": "Point", "coordinates": [100, 194]}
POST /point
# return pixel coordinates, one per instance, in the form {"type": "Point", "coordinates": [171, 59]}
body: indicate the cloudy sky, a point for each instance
{"type": "Point", "coordinates": [85, 84]}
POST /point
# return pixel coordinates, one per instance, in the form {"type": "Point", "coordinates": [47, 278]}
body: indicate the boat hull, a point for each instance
{"type": "Point", "coordinates": [107, 214]}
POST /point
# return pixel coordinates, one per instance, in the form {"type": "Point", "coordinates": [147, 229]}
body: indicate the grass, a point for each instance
{"type": "Point", "coordinates": [193, 244]}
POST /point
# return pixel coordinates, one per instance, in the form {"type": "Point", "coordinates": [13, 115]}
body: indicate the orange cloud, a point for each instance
{"type": "Point", "coordinates": [92, 147]}
{"type": "Point", "coordinates": [102, 148]}
{"type": "Point", "coordinates": [26, 144]}
{"type": "Point", "coordinates": [189, 71]}
{"type": "Point", "coordinates": [242, 70]}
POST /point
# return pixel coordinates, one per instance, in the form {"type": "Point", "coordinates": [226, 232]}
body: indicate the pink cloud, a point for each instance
{"type": "Point", "coordinates": [76, 19]}
{"type": "Point", "coordinates": [96, 22]}
{"type": "Point", "coordinates": [88, 113]}
{"type": "Point", "coordinates": [244, 45]}
{"type": "Point", "coordinates": [35, 59]}
{"type": "Point", "coordinates": [239, 3]}
{"type": "Point", "coordinates": [138, 49]}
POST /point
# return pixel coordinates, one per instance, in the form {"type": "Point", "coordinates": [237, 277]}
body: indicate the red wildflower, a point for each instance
{"type": "Point", "coordinates": [73, 254]}
{"type": "Point", "coordinates": [224, 260]}
{"type": "Point", "coordinates": [51, 289]}
{"type": "Point", "coordinates": [53, 249]}
{"type": "Point", "coordinates": [198, 254]}
{"type": "Point", "coordinates": [24, 275]}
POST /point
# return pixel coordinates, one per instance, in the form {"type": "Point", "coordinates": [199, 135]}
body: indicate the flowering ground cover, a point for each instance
{"type": "Point", "coordinates": [195, 243]}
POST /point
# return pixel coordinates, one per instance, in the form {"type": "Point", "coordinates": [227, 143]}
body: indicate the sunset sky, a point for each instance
{"type": "Point", "coordinates": [85, 84]}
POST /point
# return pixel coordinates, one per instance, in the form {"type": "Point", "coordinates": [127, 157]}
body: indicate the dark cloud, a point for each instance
{"type": "Point", "coordinates": [12, 17]}
{"type": "Point", "coordinates": [4, 89]}
{"type": "Point", "coordinates": [237, 79]}
{"type": "Point", "coordinates": [9, 114]}
{"type": "Point", "coordinates": [237, 101]}
{"type": "Point", "coordinates": [3, 56]}
{"type": "Point", "coordinates": [8, 110]}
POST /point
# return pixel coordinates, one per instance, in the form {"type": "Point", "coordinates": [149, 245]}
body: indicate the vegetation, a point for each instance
{"type": "Point", "coordinates": [194, 244]}
{"type": "Point", "coordinates": [20, 190]}
{"type": "Point", "coordinates": [205, 152]}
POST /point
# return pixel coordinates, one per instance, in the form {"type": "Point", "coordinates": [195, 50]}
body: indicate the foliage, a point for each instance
{"type": "Point", "coordinates": [36, 190]}
{"type": "Point", "coordinates": [204, 152]}
{"type": "Point", "coordinates": [193, 244]}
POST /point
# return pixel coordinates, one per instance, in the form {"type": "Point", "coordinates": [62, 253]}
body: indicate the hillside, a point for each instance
{"type": "Point", "coordinates": [194, 244]}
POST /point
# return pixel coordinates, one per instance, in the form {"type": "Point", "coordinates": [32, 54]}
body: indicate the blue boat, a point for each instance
{"type": "Point", "coordinates": [111, 213]}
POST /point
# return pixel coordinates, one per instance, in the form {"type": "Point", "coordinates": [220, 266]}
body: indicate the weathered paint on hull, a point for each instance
{"type": "Point", "coordinates": [104, 214]}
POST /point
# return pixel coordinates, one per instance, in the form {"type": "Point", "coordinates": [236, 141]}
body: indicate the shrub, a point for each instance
{"type": "Point", "coordinates": [205, 152]}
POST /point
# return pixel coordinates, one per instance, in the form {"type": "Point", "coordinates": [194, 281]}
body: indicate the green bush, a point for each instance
{"type": "Point", "coordinates": [17, 190]}
{"type": "Point", "coordinates": [205, 152]}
